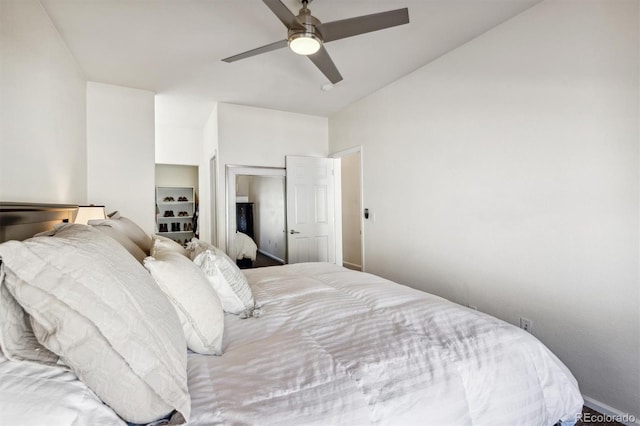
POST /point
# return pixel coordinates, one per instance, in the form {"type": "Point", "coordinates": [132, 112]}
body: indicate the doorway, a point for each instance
{"type": "Point", "coordinates": [352, 229]}
{"type": "Point", "coordinates": [256, 218]}
{"type": "Point", "coordinates": [173, 180]}
{"type": "Point", "coordinates": [213, 172]}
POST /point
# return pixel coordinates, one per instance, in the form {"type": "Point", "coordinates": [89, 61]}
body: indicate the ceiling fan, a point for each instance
{"type": "Point", "coordinates": [307, 35]}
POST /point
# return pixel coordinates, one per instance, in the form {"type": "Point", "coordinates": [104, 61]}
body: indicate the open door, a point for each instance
{"type": "Point", "coordinates": [310, 209]}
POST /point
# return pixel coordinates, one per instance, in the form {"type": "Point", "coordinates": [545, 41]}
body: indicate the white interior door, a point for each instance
{"type": "Point", "coordinates": [310, 209]}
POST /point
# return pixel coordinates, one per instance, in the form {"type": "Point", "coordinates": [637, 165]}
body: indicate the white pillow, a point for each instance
{"type": "Point", "coordinates": [94, 306]}
{"type": "Point", "coordinates": [196, 303]}
{"type": "Point", "coordinates": [128, 227]}
{"type": "Point", "coordinates": [163, 244]}
{"type": "Point", "coordinates": [234, 287]}
{"type": "Point", "coordinates": [208, 263]}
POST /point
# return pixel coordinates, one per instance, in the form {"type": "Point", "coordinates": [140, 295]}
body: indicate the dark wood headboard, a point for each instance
{"type": "Point", "coordinates": [19, 221]}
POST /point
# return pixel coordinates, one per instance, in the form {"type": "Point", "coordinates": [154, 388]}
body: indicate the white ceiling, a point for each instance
{"type": "Point", "coordinates": [175, 47]}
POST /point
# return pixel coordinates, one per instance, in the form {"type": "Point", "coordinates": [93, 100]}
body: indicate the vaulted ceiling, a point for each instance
{"type": "Point", "coordinates": [175, 47]}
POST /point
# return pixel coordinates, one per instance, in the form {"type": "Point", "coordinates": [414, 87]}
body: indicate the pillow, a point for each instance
{"type": "Point", "coordinates": [17, 341]}
{"type": "Point", "coordinates": [233, 288]}
{"type": "Point", "coordinates": [208, 263]}
{"type": "Point", "coordinates": [89, 302]}
{"type": "Point", "coordinates": [124, 241]}
{"type": "Point", "coordinates": [196, 303]}
{"type": "Point", "coordinates": [163, 244]}
{"type": "Point", "coordinates": [129, 228]}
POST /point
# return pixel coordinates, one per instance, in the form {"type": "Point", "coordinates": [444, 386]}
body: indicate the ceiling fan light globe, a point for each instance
{"type": "Point", "coordinates": [304, 44]}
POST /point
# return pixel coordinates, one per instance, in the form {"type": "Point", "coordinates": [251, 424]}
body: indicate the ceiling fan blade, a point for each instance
{"type": "Point", "coordinates": [284, 14]}
{"type": "Point", "coordinates": [322, 60]}
{"type": "Point", "coordinates": [257, 51]}
{"type": "Point", "coordinates": [344, 28]}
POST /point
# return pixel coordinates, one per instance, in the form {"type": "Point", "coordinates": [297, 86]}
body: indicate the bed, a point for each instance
{"type": "Point", "coordinates": [321, 345]}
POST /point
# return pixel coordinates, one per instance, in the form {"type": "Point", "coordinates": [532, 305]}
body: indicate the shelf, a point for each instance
{"type": "Point", "coordinates": [187, 207]}
{"type": "Point", "coordinates": [175, 217]}
{"type": "Point", "coordinates": [174, 232]}
{"type": "Point", "coordinates": [173, 203]}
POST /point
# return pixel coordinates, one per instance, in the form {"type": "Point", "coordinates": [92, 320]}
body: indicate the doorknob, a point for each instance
{"type": "Point", "coordinates": [293, 232]}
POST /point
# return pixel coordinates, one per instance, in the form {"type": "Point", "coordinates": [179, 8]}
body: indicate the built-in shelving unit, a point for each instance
{"type": "Point", "coordinates": [175, 206]}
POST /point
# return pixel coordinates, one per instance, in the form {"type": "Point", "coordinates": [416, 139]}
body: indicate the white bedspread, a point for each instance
{"type": "Point", "coordinates": [340, 347]}
{"type": "Point", "coordinates": [337, 347]}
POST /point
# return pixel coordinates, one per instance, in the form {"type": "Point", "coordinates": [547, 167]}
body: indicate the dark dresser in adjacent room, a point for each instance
{"type": "Point", "coordinates": [244, 218]}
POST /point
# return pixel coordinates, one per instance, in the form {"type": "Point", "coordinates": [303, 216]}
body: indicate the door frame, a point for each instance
{"type": "Point", "coordinates": [213, 198]}
{"type": "Point", "coordinates": [355, 150]}
{"type": "Point", "coordinates": [232, 171]}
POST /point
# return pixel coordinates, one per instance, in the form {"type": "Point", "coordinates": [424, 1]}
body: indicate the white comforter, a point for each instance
{"type": "Point", "coordinates": [340, 347]}
{"type": "Point", "coordinates": [33, 394]}
{"type": "Point", "coordinates": [337, 347]}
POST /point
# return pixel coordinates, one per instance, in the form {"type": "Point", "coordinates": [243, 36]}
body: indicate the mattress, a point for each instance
{"type": "Point", "coordinates": [335, 346]}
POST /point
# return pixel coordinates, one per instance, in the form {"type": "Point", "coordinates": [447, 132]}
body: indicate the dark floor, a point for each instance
{"type": "Point", "coordinates": [593, 418]}
{"type": "Point", "coordinates": [260, 262]}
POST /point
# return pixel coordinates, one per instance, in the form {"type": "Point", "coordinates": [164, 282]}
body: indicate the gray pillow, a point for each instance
{"type": "Point", "coordinates": [124, 241]}
{"type": "Point", "coordinates": [127, 227]}
{"type": "Point", "coordinates": [162, 244]}
{"type": "Point", "coordinates": [89, 302]}
{"type": "Point", "coordinates": [17, 340]}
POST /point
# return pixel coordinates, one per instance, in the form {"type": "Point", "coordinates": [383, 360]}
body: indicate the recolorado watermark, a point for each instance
{"type": "Point", "coordinates": [607, 418]}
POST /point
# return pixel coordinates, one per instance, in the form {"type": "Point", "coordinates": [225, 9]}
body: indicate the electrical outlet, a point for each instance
{"type": "Point", "coordinates": [526, 325]}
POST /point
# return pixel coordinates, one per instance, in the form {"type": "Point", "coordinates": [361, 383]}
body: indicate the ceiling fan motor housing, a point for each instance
{"type": "Point", "coordinates": [309, 30]}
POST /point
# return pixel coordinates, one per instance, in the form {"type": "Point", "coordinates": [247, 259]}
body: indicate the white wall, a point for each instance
{"type": "Point", "coordinates": [186, 134]}
{"type": "Point", "coordinates": [42, 110]}
{"type": "Point", "coordinates": [351, 211]}
{"type": "Point", "coordinates": [176, 175]}
{"type": "Point", "coordinates": [179, 129]}
{"type": "Point", "coordinates": [121, 151]}
{"type": "Point", "coordinates": [268, 195]}
{"type": "Point", "coordinates": [505, 175]}
{"type": "Point", "coordinates": [242, 185]}
{"type": "Point", "coordinates": [251, 136]}
{"type": "Point", "coordinates": [210, 185]}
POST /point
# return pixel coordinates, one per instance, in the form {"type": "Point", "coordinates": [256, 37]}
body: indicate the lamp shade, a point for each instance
{"type": "Point", "coordinates": [87, 213]}
{"type": "Point", "coordinates": [304, 43]}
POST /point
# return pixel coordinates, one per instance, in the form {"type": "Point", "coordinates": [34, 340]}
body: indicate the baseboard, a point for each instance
{"type": "Point", "coordinates": [271, 256]}
{"type": "Point", "coordinates": [352, 266]}
{"type": "Point", "coordinates": [615, 414]}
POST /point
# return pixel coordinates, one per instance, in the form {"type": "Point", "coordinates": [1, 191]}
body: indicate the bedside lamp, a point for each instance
{"type": "Point", "coordinates": [91, 212]}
